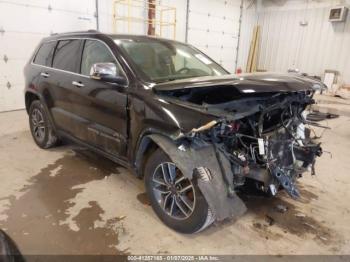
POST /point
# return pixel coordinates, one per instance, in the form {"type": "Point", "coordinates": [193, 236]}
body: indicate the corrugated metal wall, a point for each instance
{"type": "Point", "coordinates": [313, 48]}
{"type": "Point", "coordinates": [249, 20]}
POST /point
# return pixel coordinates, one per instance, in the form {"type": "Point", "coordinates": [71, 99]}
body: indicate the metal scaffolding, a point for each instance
{"type": "Point", "coordinates": [124, 13]}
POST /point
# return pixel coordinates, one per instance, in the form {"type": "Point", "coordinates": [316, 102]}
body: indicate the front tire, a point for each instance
{"type": "Point", "coordinates": [176, 200]}
{"type": "Point", "coordinates": [40, 126]}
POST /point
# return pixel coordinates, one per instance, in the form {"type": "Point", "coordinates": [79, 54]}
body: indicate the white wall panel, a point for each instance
{"type": "Point", "coordinates": [214, 27]}
{"type": "Point", "coordinates": [180, 6]}
{"type": "Point", "coordinates": [24, 24]}
{"type": "Point", "coordinates": [313, 48]}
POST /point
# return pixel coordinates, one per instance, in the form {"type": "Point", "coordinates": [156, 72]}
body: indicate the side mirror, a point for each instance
{"type": "Point", "coordinates": [107, 72]}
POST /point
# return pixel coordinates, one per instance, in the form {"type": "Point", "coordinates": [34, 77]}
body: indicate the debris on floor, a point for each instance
{"type": "Point", "coordinates": [300, 215]}
{"type": "Point", "coordinates": [143, 198]}
{"type": "Point", "coordinates": [316, 116]}
{"type": "Point", "coordinates": [323, 238]}
{"type": "Point", "coordinates": [309, 225]}
{"type": "Point", "coordinates": [269, 220]}
{"type": "Point", "coordinates": [281, 208]}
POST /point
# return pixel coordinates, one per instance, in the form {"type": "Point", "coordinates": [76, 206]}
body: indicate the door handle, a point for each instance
{"type": "Point", "coordinates": [78, 84]}
{"type": "Point", "coordinates": [46, 75]}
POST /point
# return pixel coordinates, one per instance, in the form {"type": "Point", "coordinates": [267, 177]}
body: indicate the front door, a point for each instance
{"type": "Point", "coordinates": [101, 104]}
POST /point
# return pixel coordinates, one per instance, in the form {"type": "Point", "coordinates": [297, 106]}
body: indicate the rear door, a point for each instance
{"type": "Point", "coordinates": [40, 71]}
{"type": "Point", "coordinates": [102, 105]}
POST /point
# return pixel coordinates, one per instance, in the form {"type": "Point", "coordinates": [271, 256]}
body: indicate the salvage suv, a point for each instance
{"type": "Point", "coordinates": [173, 116]}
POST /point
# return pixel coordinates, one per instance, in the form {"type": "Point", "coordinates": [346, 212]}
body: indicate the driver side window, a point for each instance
{"type": "Point", "coordinates": [96, 52]}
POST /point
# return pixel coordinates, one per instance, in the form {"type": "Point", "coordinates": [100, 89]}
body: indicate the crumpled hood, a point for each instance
{"type": "Point", "coordinates": [247, 83]}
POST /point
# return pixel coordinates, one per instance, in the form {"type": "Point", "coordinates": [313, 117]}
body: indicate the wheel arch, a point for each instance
{"type": "Point", "coordinates": [29, 98]}
{"type": "Point", "coordinates": [33, 96]}
{"type": "Point", "coordinates": [146, 147]}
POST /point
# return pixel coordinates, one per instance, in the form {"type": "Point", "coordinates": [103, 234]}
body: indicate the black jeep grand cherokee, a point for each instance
{"type": "Point", "coordinates": [174, 117]}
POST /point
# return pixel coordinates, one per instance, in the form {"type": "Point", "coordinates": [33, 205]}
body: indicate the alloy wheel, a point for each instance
{"type": "Point", "coordinates": [38, 124]}
{"type": "Point", "coordinates": [173, 191]}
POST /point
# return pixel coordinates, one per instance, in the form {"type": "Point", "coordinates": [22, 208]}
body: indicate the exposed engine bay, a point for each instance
{"type": "Point", "coordinates": [264, 136]}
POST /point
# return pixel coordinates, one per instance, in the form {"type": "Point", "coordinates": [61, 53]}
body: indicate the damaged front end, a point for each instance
{"type": "Point", "coordinates": [256, 135]}
{"type": "Point", "coordinates": [270, 145]}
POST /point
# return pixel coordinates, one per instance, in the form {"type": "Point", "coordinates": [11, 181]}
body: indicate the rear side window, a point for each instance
{"type": "Point", "coordinates": [67, 55]}
{"type": "Point", "coordinates": [45, 54]}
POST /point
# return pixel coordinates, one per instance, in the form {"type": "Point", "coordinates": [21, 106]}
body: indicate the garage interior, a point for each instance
{"type": "Point", "coordinates": [68, 200]}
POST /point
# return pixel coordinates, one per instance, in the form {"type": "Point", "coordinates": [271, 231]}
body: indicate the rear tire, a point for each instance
{"type": "Point", "coordinates": [183, 211]}
{"type": "Point", "coordinates": [40, 126]}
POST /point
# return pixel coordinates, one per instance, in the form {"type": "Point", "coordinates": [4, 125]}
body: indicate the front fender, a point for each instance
{"type": "Point", "coordinates": [214, 190]}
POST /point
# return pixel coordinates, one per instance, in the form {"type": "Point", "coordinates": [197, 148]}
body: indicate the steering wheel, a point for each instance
{"type": "Point", "coordinates": [183, 70]}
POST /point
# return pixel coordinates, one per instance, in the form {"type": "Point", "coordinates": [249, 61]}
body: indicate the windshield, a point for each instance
{"type": "Point", "coordinates": [162, 60]}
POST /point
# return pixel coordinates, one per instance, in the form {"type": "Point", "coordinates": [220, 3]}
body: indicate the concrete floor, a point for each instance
{"type": "Point", "coordinates": [70, 201]}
